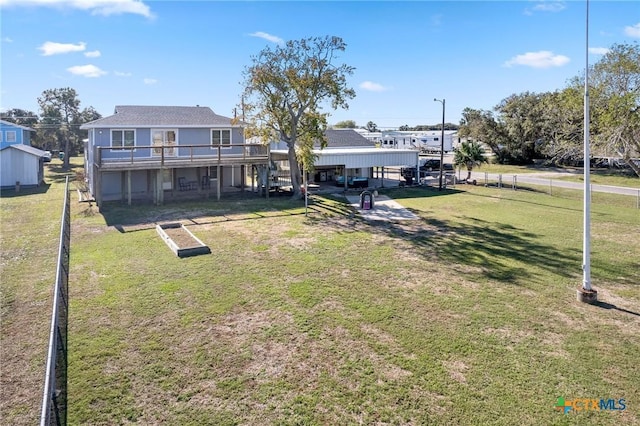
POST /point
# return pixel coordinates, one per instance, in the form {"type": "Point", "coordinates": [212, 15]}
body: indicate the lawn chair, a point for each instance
{"type": "Point", "coordinates": [183, 184]}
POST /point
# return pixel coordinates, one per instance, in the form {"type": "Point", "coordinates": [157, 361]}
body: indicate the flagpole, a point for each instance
{"type": "Point", "coordinates": [586, 293]}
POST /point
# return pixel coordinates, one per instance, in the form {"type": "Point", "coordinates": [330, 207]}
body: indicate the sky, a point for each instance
{"type": "Point", "coordinates": [471, 54]}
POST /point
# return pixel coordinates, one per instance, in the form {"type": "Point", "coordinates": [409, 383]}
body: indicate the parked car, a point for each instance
{"type": "Point", "coordinates": [433, 164]}
{"type": "Point", "coordinates": [47, 156]}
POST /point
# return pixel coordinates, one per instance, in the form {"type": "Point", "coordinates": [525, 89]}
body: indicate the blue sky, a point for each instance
{"type": "Point", "coordinates": [471, 53]}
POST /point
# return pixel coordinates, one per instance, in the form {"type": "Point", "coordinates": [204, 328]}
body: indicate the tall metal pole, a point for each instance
{"type": "Point", "coordinates": [441, 144]}
{"type": "Point", "coordinates": [586, 294]}
{"type": "Point", "coordinates": [586, 249]}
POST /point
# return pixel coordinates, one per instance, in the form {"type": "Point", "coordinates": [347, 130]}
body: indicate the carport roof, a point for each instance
{"type": "Point", "coordinates": [353, 158]}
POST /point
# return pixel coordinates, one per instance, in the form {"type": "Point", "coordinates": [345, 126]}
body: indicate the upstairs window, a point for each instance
{"type": "Point", "coordinates": [11, 136]}
{"type": "Point", "coordinates": [123, 138]}
{"type": "Point", "coordinates": [221, 138]}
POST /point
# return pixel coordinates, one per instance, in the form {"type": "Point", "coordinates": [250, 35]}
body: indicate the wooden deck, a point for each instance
{"type": "Point", "coordinates": [154, 158]}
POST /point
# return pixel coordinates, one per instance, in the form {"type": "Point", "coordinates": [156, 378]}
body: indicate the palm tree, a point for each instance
{"type": "Point", "coordinates": [470, 155]}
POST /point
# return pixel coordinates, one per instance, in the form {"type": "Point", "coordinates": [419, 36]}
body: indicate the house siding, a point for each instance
{"type": "Point", "coordinates": [184, 136]}
{"type": "Point", "coordinates": [114, 182]}
{"type": "Point", "coordinates": [20, 166]}
{"type": "Point", "coordinates": [23, 136]}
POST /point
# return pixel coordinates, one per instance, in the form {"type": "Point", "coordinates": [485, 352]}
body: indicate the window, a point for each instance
{"type": "Point", "coordinates": [123, 138]}
{"type": "Point", "coordinates": [221, 138]}
{"type": "Point", "coordinates": [11, 136]}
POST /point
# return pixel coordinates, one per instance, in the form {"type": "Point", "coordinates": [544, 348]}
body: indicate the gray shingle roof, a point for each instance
{"type": "Point", "coordinates": [151, 116]}
{"type": "Point", "coordinates": [346, 138]}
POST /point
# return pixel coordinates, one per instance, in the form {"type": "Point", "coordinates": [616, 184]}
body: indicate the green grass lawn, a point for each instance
{"type": "Point", "coordinates": [466, 316]}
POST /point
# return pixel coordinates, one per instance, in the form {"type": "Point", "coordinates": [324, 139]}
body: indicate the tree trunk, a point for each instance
{"type": "Point", "coordinates": [294, 168]}
{"type": "Point", "coordinates": [632, 164]}
{"type": "Point", "coordinates": [469, 173]}
{"type": "Point", "coordinates": [65, 162]}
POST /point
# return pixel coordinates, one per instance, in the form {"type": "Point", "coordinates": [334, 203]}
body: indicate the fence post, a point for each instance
{"type": "Point", "coordinates": [550, 186]}
{"type": "Point", "coordinates": [486, 178]}
{"type": "Point", "coordinates": [500, 181]}
{"type": "Point", "coordinates": [514, 185]}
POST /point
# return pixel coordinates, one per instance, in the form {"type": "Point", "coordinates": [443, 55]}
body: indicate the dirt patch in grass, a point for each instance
{"type": "Point", "coordinates": [456, 369]}
{"type": "Point", "coordinates": [181, 237]}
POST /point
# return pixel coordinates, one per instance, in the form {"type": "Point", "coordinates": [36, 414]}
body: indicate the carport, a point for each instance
{"type": "Point", "coordinates": [354, 162]}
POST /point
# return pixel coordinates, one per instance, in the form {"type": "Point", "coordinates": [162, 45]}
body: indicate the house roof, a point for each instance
{"type": "Point", "coordinates": [346, 138]}
{"type": "Point", "coordinates": [8, 123]}
{"type": "Point", "coordinates": [161, 116]}
{"type": "Point", "coordinates": [26, 148]}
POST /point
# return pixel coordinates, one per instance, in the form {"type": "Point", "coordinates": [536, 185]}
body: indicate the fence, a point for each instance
{"type": "Point", "coordinates": [54, 399]}
{"type": "Point", "coordinates": [557, 187]}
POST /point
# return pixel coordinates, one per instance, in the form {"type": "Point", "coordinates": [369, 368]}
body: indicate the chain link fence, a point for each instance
{"type": "Point", "coordinates": [54, 399]}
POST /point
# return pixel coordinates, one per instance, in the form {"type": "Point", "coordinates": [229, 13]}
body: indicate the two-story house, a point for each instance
{"type": "Point", "coordinates": [158, 153]}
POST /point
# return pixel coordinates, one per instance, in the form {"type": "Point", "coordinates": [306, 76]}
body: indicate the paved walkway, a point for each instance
{"type": "Point", "coordinates": [384, 208]}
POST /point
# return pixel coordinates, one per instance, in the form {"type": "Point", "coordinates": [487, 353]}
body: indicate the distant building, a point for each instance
{"type": "Point", "coordinates": [424, 141]}
{"type": "Point", "coordinates": [12, 133]}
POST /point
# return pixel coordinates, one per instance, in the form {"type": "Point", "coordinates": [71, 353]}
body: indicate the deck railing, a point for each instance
{"type": "Point", "coordinates": [167, 154]}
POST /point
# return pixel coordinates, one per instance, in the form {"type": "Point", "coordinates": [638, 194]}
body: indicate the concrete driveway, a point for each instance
{"type": "Point", "coordinates": [384, 208]}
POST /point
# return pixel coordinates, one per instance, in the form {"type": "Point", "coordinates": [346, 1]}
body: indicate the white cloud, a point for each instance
{"type": "Point", "coordinates": [372, 87]}
{"type": "Point", "coordinates": [86, 70]}
{"type": "Point", "coordinates": [92, 54]}
{"type": "Point", "coordinates": [550, 6]}
{"type": "Point", "coordinates": [598, 50]}
{"type": "Point", "coordinates": [633, 30]}
{"type": "Point", "coordinates": [122, 74]}
{"type": "Point", "coordinates": [541, 59]}
{"type": "Point", "coordinates": [7, 40]}
{"type": "Point", "coordinates": [546, 6]}
{"type": "Point", "coordinates": [149, 81]}
{"type": "Point", "coordinates": [52, 48]}
{"type": "Point", "coordinates": [268, 37]}
{"type": "Point", "coordinates": [95, 7]}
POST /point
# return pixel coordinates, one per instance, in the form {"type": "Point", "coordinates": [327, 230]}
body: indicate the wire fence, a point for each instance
{"type": "Point", "coordinates": [54, 399]}
{"type": "Point", "coordinates": [600, 194]}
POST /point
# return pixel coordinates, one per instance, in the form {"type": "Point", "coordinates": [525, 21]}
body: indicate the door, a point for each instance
{"type": "Point", "coordinates": [163, 140]}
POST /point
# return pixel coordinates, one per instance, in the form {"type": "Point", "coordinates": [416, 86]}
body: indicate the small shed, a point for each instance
{"type": "Point", "coordinates": [21, 163]}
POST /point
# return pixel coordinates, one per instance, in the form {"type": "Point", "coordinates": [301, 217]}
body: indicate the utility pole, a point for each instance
{"type": "Point", "coordinates": [442, 101]}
